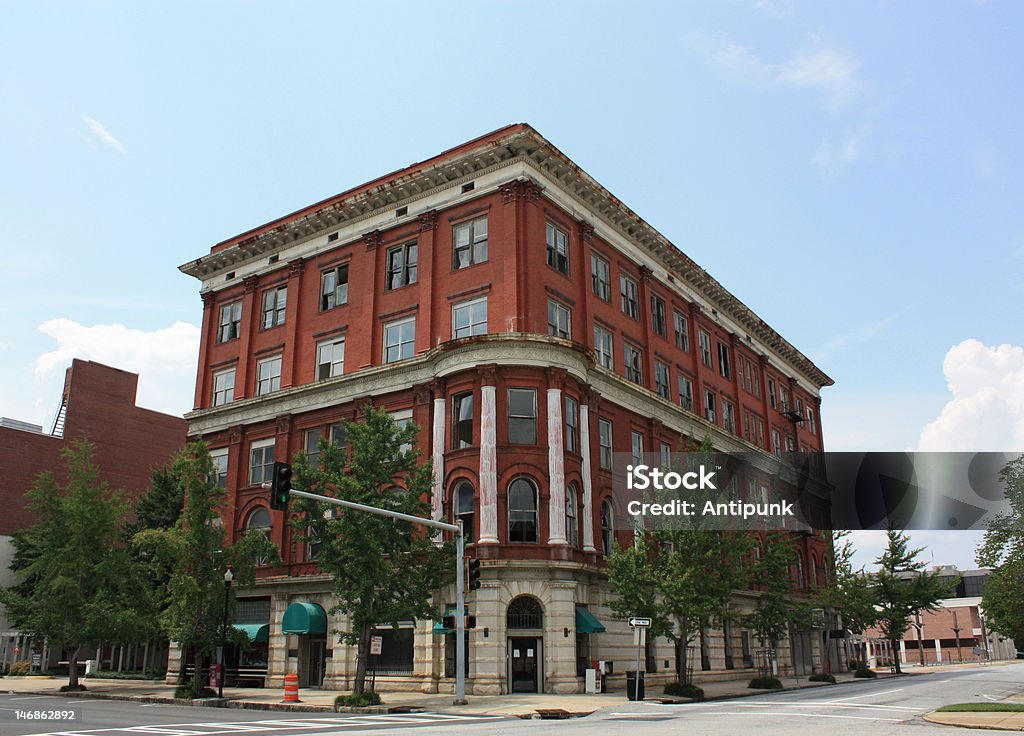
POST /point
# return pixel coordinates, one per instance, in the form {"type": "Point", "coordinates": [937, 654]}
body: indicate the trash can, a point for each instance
{"type": "Point", "coordinates": [634, 685]}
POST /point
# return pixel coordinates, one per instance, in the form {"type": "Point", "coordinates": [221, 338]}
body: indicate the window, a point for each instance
{"type": "Point", "coordinates": [748, 375]}
{"type": "Point", "coordinates": [682, 330]}
{"type": "Point", "coordinates": [572, 527]}
{"type": "Point", "coordinates": [558, 249]}
{"type": "Point", "coordinates": [604, 435]}
{"type": "Point", "coordinates": [603, 347]}
{"type": "Point", "coordinates": [728, 416]}
{"type": "Point", "coordinates": [313, 544]}
{"type": "Point", "coordinates": [685, 393]}
{"type": "Point", "coordinates": [634, 366]}
{"type": "Point", "coordinates": [334, 287]}
{"type": "Point", "coordinates": [723, 360]}
{"type": "Point", "coordinates": [790, 445]}
{"type": "Point", "coordinates": [601, 277]}
{"type": "Point", "coordinates": [776, 442]}
{"type": "Point", "coordinates": [771, 392]}
{"type": "Point", "coordinates": [607, 528]}
{"type": "Point", "coordinates": [311, 446]}
{"type": "Point", "coordinates": [709, 406]}
{"type": "Point", "coordinates": [810, 421]}
{"type": "Point", "coordinates": [261, 461]}
{"type": "Point", "coordinates": [470, 239]}
{"type": "Point", "coordinates": [783, 398]}
{"type": "Point", "coordinates": [274, 303]}
{"type": "Point", "coordinates": [401, 265]}
{"type": "Point", "coordinates": [661, 380]}
{"type": "Point", "coordinates": [636, 447]}
{"type": "Point", "coordinates": [462, 409]}
{"type": "Point", "coordinates": [224, 387]}
{"type": "Point", "coordinates": [572, 425]}
{"type": "Point", "coordinates": [469, 318]}
{"type": "Point", "coordinates": [628, 291]}
{"type": "Point", "coordinates": [396, 649]}
{"type": "Point", "coordinates": [705, 348]}
{"type": "Point", "coordinates": [330, 358]}
{"type": "Point", "coordinates": [402, 420]}
{"type": "Point", "coordinates": [522, 511]}
{"type": "Point", "coordinates": [259, 520]}
{"type": "Point", "coordinates": [524, 612]}
{"type": "Point", "coordinates": [399, 340]}
{"type": "Point", "coordinates": [658, 315]}
{"type": "Point", "coordinates": [559, 320]}
{"type": "Point", "coordinates": [220, 466]}
{"type": "Point", "coordinates": [665, 456]}
{"type": "Point", "coordinates": [230, 321]}
{"type": "Point", "coordinates": [522, 416]}
{"type": "Point", "coordinates": [268, 375]}
{"type": "Point", "coordinates": [338, 435]}
{"type": "Point", "coordinates": [463, 508]}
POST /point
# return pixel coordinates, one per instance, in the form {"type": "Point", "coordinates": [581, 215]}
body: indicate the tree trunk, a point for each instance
{"type": "Point", "coordinates": [895, 646]}
{"type": "Point", "coordinates": [182, 662]}
{"type": "Point", "coordinates": [73, 669]}
{"type": "Point", "coordinates": [362, 658]}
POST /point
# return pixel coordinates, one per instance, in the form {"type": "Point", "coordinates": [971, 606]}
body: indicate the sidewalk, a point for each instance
{"type": "Point", "coordinates": [517, 705]}
{"type": "Point", "coordinates": [991, 720]}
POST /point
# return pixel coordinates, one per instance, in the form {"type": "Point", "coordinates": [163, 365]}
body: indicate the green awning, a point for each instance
{"type": "Point", "coordinates": [439, 625]}
{"type": "Point", "coordinates": [257, 633]}
{"type": "Point", "coordinates": [304, 618]}
{"type": "Point", "coordinates": [586, 623]}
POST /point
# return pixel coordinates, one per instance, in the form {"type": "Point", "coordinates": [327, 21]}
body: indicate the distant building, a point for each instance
{"type": "Point", "coordinates": [98, 404]}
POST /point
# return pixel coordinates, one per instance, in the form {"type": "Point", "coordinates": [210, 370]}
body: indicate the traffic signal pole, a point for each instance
{"type": "Point", "coordinates": [460, 592]}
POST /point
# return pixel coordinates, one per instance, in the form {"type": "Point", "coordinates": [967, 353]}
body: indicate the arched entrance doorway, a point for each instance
{"type": "Point", "coordinates": [524, 620]}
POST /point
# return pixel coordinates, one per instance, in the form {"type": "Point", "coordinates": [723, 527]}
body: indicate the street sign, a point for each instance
{"type": "Point", "coordinates": [376, 642]}
{"type": "Point", "coordinates": [639, 621]}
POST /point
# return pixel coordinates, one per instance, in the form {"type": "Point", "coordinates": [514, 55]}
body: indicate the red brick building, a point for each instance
{"type": "Point", "coordinates": [531, 325]}
{"type": "Point", "coordinates": [97, 404]}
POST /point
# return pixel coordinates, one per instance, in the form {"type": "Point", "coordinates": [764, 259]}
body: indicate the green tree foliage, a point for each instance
{"type": "Point", "coordinates": [82, 587]}
{"type": "Point", "coordinates": [384, 570]}
{"type": "Point", "coordinates": [161, 506]}
{"type": "Point", "coordinates": [776, 607]}
{"type": "Point", "coordinates": [193, 555]}
{"type": "Point", "coordinates": [1003, 550]}
{"type": "Point", "coordinates": [846, 588]}
{"type": "Point", "coordinates": [902, 588]}
{"type": "Point", "coordinates": [683, 579]}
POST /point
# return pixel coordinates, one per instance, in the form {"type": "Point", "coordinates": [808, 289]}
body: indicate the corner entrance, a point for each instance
{"type": "Point", "coordinates": [524, 670]}
{"type": "Point", "coordinates": [309, 622]}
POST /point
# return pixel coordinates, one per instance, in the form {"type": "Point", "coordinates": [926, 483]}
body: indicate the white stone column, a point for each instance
{"type": "Point", "coordinates": [588, 484]}
{"type": "Point", "coordinates": [437, 448]}
{"type": "Point", "coordinates": [938, 651]}
{"type": "Point", "coordinates": [903, 652]}
{"type": "Point", "coordinates": [556, 469]}
{"type": "Point", "coordinates": [488, 467]}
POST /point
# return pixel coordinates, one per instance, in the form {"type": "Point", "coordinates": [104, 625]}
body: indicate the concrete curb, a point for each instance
{"type": "Point", "coordinates": [961, 724]}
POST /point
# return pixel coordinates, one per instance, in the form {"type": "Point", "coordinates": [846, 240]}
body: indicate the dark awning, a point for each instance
{"type": "Point", "coordinates": [257, 633]}
{"type": "Point", "coordinates": [586, 623]}
{"type": "Point", "coordinates": [304, 618]}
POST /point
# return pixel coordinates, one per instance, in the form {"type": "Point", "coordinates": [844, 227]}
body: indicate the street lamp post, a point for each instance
{"type": "Point", "coordinates": [229, 575]}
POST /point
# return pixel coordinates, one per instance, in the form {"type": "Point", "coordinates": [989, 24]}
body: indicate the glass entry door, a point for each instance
{"type": "Point", "coordinates": [524, 671]}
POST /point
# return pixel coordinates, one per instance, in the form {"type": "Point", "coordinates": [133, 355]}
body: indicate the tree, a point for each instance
{"type": "Point", "coordinates": [682, 578]}
{"type": "Point", "coordinates": [1002, 549]}
{"type": "Point", "coordinates": [161, 506]}
{"type": "Point", "coordinates": [776, 607]}
{"type": "Point", "coordinates": [384, 570]}
{"type": "Point", "coordinates": [193, 556]}
{"type": "Point", "coordinates": [846, 589]}
{"type": "Point", "coordinates": [82, 587]}
{"type": "Point", "coordinates": [902, 588]}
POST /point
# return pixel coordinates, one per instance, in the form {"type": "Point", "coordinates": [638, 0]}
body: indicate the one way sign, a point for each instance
{"type": "Point", "coordinates": [639, 622]}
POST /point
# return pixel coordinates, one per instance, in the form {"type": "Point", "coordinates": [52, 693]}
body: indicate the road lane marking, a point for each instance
{"type": "Point", "coordinates": [829, 705]}
{"type": "Point", "coordinates": [865, 695]}
{"type": "Point", "coordinates": [816, 715]}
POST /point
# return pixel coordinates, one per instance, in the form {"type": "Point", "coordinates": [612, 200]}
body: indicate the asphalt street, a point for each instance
{"type": "Point", "coordinates": [889, 706]}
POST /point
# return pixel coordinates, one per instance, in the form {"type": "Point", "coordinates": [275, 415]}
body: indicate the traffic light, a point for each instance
{"type": "Point", "coordinates": [470, 622]}
{"type": "Point", "coordinates": [281, 486]}
{"type": "Point", "coordinates": [448, 622]}
{"type": "Point", "coordinates": [474, 574]}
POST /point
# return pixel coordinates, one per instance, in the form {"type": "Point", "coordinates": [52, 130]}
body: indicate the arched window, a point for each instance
{"type": "Point", "coordinates": [800, 581]}
{"type": "Point", "coordinates": [814, 570]}
{"type": "Point", "coordinates": [522, 511]}
{"type": "Point", "coordinates": [462, 506]}
{"type": "Point", "coordinates": [607, 527]}
{"type": "Point", "coordinates": [572, 526]}
{"type": "Point", "coordinates": [524, 612]}
{"type": "Point", "coordinates": [259, 520]}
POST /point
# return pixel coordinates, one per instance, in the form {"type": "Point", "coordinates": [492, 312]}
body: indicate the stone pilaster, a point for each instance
{"type": "Point", "coordinates": [556, 469]}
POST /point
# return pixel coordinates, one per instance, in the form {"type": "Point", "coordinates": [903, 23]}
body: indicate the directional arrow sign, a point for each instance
{"type": "Point", "coordinates": [639, 622]}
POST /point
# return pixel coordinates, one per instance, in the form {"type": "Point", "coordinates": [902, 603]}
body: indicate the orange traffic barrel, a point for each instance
{"type": "Point", "coordinates": [291, 689]}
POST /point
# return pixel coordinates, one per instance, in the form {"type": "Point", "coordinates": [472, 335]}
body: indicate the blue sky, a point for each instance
{"type": "Point", "coordinates": [849, 170]}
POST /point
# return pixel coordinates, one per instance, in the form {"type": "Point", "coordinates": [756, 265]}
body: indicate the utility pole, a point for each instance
{"type": "Point", "coordinates": [956, 631]}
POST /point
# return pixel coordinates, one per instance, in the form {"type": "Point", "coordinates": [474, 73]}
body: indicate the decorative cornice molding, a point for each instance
{"type": "Point", "coordinates": [525, 190]}
{"type": "Point", "coordinates": [296, 267]}
{"type": "Point", "coordinates": [209, 298]}
{"type": "Point", "coordinates": [372, 239]}
{"type": "Point", "coordinates": [585, 230]}
{"type": "Point", "coordinates": [428, 221]}
{"type": "Point", "coordinates": [249, 284]}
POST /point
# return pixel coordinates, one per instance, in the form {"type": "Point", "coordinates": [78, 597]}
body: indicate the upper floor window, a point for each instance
{"type": "Point", "coordinates": [603, 347]}
{"type": "Point", "coordinates": [470, 243]}
{"type": "Point", "coordinates": [522, 416]}
{"type": "Point", "coordinates": [776, 442]}
{"type": "Point", "coordinates": [572, 425]}
{"type": "Point", "coordinates": [558, 249]}
{"type": "Point", "coordinates": [682, 331]}
{"type": "Point", "coordinates": [464, 508]}
{"type": "Point", "coordinates": [330, 358]}
{"type": "Point", "coordinates": [784, 397]}
{"type": "Point", "coordinates": [604, 438]}
{"type": "Point", "coordinates": [268, 375]}
{"type": "Point", "coordinates": [572, 527]}
{"type": "Point", "coordinates": [685, 393]}
{"type": "Point", "coordinates": [601, 277]}
{"type": "Point", "coordinates": [709, 406]}
{"type": "Point", "coordinates": [462, 409]}
{"type": "Point", "coordinates": [220, 466]}
{"type": "Point", "coordinates": [658, 315]}
{"type": "Point", "coordinates": [469, 318]}
{"type": "Point", "coordinates": [811, 427]}
{"type": "Point", "coordinates": [661, 380]}
{"type": "Point", "coordinates": [771, 392]}
{"type": "Point", "coordinates": [522, 511]}
{"type": "Point", "coordinates": [399, 340]}
{"type": "Point", "coordinates": [311, 446]}
{"type": "Point", "coordinates": [728, 416]}
{"type": "Point", "coordinates": [275, 302]}
{"type": "Point", "coordinates": [224, 387]}
{"type": "Point", "coordinates": [636, 447]}
{"type": "Point", "coordinates": [628, 292]}
{"type": "Point", "coordinates": [261, 461]}
{"type": "Point", "coordinates": [338, 435]}
{"type": "Point", "coordinates": [401, 265]}
{"type": "Point", "coordinates": [723, 360]}
{"type": "Point", "coordinates": [634, 364]}
{"type": "Point", "coordinates": [259, 520]}
{"type": "Point", "coordinates": [230, 322]}
{"type": "Point", "coordinates": [334, 287]}
{"type": "Point", "coordinates": [704, 338]}
{"type": "Point", "coordinates": [607, 527]}
{"type": "Point", "coordinates": [559, 320]}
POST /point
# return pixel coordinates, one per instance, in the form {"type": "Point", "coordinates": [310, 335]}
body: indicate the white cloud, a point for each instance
{"type": "Point", "coordinates": [99, 130]}
{"type": "Point", "coordinates": [165, 359]}
{"type": "Point", "coordinates": [6, 346]}
{"type": "Point", "coordinates": [986, 412]}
